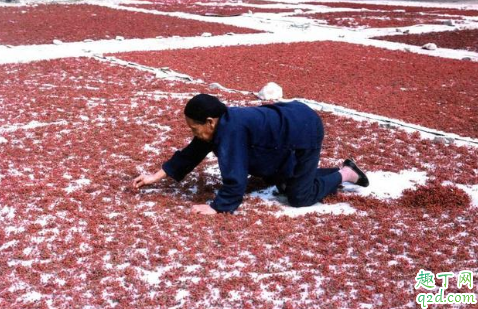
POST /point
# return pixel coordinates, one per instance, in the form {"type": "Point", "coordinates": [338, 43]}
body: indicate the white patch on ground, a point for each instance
{"type": "Point", "coordinates": [77, 184]}
{"type": "Point", "coordinates": [3, 140]}
{"type": "Point", "coordinates": [334, 209]}
{"type": "Point", "coordinates": [146, 204]}
{"type": "Point", "coordinates": [31, 125]}
{"type": "Point", "coordinates": [150, 148]}
{"type": "Point", "coordinates": [181, 295]}
{"type": "Point", "coordinates": [385, 185]}
{"type": "Point", "coordinates": [213, 170]}
{"type": "Point", "coordinates": [472, 191]}
{"type": "Point", "coordinates": [268, 195]}
{"type": "Point", "coordinates": [154, 277]}
{"type": "Point", "coordinates": [7, 212]}
{"type": "Point", "coordinates": [44, 219]}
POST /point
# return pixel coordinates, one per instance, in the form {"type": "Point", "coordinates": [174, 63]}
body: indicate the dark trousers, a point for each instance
{"type": "Point", "coordinates": [310, 184]}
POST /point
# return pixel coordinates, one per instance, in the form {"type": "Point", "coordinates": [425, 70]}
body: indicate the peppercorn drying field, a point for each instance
{"type": "Point", "coordinates": [92, 95]}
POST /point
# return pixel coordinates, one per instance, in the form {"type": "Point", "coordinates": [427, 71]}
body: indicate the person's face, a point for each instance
{"type": "Point", "coordinates": [204, 131]}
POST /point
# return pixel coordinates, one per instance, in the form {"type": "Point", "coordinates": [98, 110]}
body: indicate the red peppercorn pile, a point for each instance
{"type": "Point", "coordinates": [433, 92]}
{"type": "Point", "coordinates": [374, 19]}
{"type": "Point", "coordinates": [457, 39]}
{"type": "Point", "coordinates": [75, 233]}
{"type": "Point", "coordinates": [42, 24]}
{"type": "Point", "coordinates": [391, 8]}
{"type": "Point", "coordinates": [75, 132]}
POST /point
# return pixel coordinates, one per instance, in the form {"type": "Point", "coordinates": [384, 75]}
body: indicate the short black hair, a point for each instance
{"type": "Point", "coordinates": [203, 106]}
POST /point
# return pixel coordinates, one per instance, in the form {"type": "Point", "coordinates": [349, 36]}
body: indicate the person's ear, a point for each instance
{"type": "Point", "coordinates": [211, 122]}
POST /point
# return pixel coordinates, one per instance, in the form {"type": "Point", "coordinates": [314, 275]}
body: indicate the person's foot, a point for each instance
{"type": "Point", "coordinates": [348, 174]}
{"type": "Point", "coordinates": [359, 178]}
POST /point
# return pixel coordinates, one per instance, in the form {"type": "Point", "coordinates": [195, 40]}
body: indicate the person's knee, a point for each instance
{"type": "Point", "coordinates": [296, 201]}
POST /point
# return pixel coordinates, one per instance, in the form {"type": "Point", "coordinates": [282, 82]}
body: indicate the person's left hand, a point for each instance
{"type": "Point", "coordinates": [203, 209]}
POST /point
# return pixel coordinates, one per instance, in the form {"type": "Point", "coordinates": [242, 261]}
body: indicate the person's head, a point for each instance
{"type": "Point", "coordinates": [202, 115]}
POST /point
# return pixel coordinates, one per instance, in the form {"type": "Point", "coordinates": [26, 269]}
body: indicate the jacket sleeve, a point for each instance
{"type": "Point", "coordinates": [232, 155]}
{"type": "Point", "coordinates": [184, 161]}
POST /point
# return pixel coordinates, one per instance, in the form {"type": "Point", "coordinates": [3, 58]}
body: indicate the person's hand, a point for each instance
{"type": "Point", "coordinates": [145, 179]}
{"type": "Point", "coordinates": [203, 209]}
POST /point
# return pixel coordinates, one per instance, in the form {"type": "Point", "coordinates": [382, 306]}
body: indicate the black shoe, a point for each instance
{"type": "Point", "coordinates": [362, 180]}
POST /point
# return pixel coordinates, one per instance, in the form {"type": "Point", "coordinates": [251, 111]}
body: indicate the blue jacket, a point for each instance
{"type": "Point", "coordinates": [259, 141]}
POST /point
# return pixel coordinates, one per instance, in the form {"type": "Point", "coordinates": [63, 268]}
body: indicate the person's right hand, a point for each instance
{"type": "Point", "coordinates": [145, 179]}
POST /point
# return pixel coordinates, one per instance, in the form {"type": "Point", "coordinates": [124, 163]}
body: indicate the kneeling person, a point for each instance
{"type": "Point", "coordinates": [279, 142]}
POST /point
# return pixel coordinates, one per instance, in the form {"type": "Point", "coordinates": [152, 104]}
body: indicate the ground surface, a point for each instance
{"type": "Point", "coordinates": [457, 39]}
{"type": "Point", "coordinates": [69, 23]}
{"type": "Point", "coordinates": [85, 118]}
